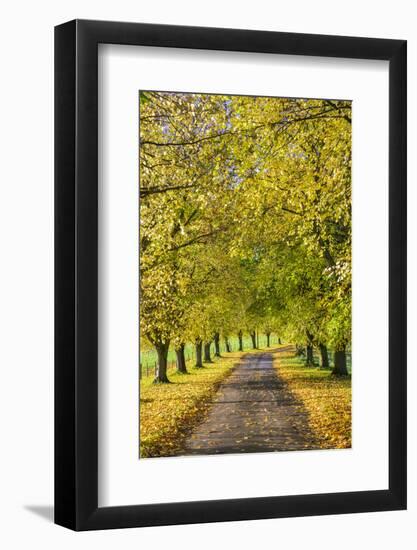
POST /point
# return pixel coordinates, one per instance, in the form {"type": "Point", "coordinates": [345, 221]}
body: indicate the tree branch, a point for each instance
{"type": "Point", "coordinates": [145, 191]}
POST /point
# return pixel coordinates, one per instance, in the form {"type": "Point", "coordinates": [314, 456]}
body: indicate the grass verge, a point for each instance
{"type": "Point", "coordinates": [169, 411]}
{"type": "Point", "coordinates": [326, 398]}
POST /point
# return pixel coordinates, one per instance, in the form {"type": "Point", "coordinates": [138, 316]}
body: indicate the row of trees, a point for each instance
{"type": "Point", "coordinates": [245, 222]}
{"type": "Point", "coordinates": [204, 350]}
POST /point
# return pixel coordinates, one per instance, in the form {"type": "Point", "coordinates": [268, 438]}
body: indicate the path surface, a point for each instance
{"type": "Point", "coordinates": [252, 412]}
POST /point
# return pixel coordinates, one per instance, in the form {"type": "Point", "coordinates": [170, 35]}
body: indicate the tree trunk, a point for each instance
{"type": "Point", "coordinates": [324, 356]}
{"type": "Point", "coordinates": [207, 356]}
{"type": "Point", "coordinates": [299, 350]}
{"type": "Point", "coordinates": [340, 367]}
{"type": "Point", "coordinates": [253, 338]}
{"type": "Point", "coordinates": [217, 345]}
{"type": "Point", "coordinates": [309, 355]}
{"type": "Point", "coordinates": [181, 365]}
{"type": "Point", "coordinates": [240, 336]}
{"type": "Point", "coordinates": [279, 341]}
{"type": "Point", "coordinates": [227, 344]}
{"type": "Point", "coordinates": [161, 367]}
{"type": "Point", "coordinates": [268, 339]}
{"type": "Point", "coordinates": [198, 354]}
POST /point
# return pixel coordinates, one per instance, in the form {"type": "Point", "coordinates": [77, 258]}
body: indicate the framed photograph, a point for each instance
{"type": "Point", "coordinates": [230, 253]}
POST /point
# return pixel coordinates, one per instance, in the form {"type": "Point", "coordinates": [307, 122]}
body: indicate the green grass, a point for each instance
{"type": "Point", "coordinates": [326, 398]}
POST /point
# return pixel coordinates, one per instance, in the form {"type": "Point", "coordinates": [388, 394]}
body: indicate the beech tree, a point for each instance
{"type": "Point", "coordinates": [245, 223]}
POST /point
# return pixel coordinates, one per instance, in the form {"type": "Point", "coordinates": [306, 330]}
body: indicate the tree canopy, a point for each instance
{"type": "Point", "coordinates": [245, 220]}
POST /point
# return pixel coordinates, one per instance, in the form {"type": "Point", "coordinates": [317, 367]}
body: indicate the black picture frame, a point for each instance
{"type": "Point", "coordinates": [76, 272]}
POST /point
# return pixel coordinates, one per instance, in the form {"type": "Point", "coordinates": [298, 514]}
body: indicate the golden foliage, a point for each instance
{"type": "Point", "coordinates": [326, 398]}
{"type": "Point", "coordinates": [245, 217]}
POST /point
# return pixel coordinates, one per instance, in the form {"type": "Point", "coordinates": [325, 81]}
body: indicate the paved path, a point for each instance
{"type": "Point", "coordinates": [252, 412]}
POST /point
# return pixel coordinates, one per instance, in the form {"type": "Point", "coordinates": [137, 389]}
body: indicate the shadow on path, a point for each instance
{"type": "Point", "coordinates": [253, 411]}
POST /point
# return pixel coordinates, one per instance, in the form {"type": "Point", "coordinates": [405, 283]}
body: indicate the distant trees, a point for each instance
{"type": "Point", "coordinates": [245, 222]}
